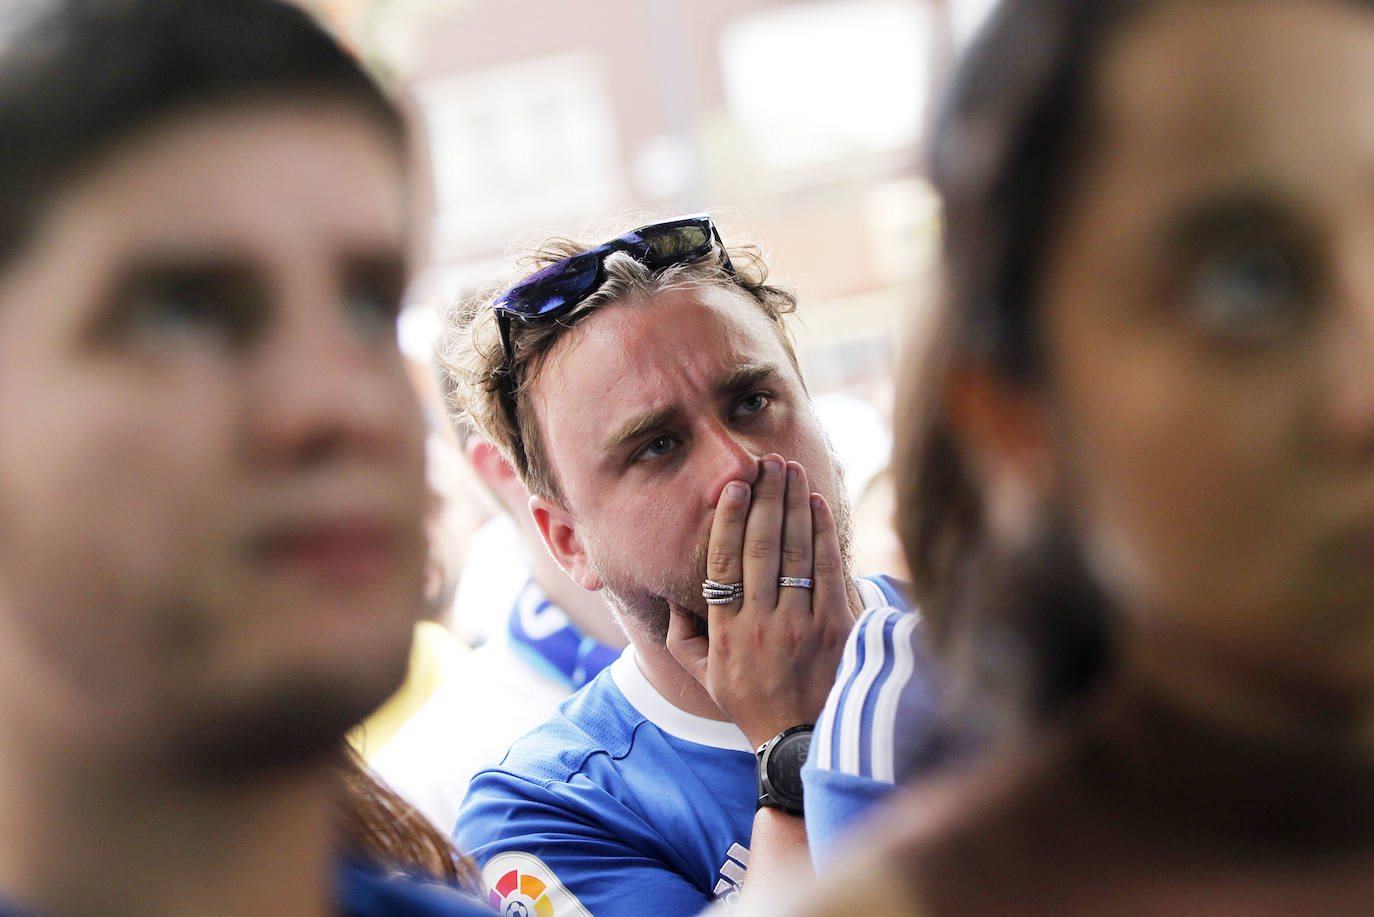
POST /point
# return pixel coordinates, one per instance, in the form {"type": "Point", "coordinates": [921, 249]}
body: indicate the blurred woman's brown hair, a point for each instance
{"type": "Point", "coordinates": [1024, 629]}
{"type": "Point", "coordinates": [375, 825]}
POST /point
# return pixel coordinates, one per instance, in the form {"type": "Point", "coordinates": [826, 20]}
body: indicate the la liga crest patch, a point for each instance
{"type": "Point", "coordinates": [521, 885]}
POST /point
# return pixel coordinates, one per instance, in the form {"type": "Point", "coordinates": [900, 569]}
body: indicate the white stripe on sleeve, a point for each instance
{"type": "Point", "coordinates": [822, 752]}
{"type": "Point", "coordinates": [851, 717]}
{"type": "Point", "coordinates": [883, 729]}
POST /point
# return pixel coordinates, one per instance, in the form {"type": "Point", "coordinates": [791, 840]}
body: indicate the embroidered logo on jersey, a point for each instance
{"type": "Point", "coordinates": [521, 885]}
{"type": "Point", "coordinates": [732, 875]}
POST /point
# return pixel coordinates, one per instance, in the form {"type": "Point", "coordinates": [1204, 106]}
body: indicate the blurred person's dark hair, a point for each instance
{"type": "Point", "coordinates": [1025, 629]}
{"type": "Point", "coordinates": [77, 77]}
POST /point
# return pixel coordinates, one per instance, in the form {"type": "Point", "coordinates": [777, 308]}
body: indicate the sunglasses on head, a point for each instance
{"type": "Point", "coordinates": [560, 287]}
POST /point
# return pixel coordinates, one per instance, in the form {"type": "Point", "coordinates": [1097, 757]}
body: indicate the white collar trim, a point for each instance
{"type": "Point", "coordinates": [673, 720]}
{"type": "Point", "coordinates": [870, 593]}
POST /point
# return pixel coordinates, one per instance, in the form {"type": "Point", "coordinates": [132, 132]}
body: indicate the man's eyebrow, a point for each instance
{"type": "Point", "coordinates": [194, 263]}
{"type": "Point", "coordinates": [745, 377]}
{"type": "Point", "coordinates": [359, 263]}
{"type": "Point", "coordinates": [638, 426]}
{"type": "Point", "coordinates": [200, 269]}
{"type": "Point", "coordinates": [382, 266]}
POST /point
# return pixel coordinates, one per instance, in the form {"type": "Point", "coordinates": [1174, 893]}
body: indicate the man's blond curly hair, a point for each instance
{"type": "Point", "coordinates": [482, 391]}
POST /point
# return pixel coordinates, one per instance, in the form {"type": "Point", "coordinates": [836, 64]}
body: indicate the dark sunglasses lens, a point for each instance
{"type": "Point", "coordinates": [563, 282]}
{"type": "Point", "coordinates": [676, 244]}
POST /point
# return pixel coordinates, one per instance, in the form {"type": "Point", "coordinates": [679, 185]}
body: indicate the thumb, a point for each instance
{"type": "Point", "coordinates": [688, 643]}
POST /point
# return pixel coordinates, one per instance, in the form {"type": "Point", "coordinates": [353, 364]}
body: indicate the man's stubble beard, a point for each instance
{"type": "Point", "coordinates": [298, 719]}
{"type": "Point", "coordinates": [647, 607]}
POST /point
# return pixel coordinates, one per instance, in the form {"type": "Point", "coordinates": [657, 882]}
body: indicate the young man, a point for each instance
{"type": "Point", "coordinates": [211, 488]}
{"type": "Point", "coordinates": [647, 394]}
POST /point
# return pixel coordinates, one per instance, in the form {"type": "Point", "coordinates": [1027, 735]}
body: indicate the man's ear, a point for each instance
{"type": "Point", "coordinates": [494, 471]}
{"type": "Point", "coordinates": [1004, 434]}
{"type": "Point", "coordinates": [559, 531]}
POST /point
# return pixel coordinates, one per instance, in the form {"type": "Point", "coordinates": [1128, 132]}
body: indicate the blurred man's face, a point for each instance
{"type": "Point", "coordinates": [211, 462]}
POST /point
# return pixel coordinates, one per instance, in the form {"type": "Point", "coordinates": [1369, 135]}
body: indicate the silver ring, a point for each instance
{"type": "Point", "coordinates": [709, 588]}
{"type": "Point", "coordinates": [721, 593]}
{"type": "Point", "coordinates": [796, 581]}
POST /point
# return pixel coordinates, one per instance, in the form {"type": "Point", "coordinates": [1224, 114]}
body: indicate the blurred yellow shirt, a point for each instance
{"type": "Point", "coordinates": [433, 656]}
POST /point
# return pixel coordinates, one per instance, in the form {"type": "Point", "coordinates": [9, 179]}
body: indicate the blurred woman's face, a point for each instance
{"type": "Point", "coordinates": [1209, 329]}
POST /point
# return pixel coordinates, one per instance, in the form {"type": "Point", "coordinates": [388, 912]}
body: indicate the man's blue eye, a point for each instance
{"type": "Point", "coordinates": [373, 312]}
{"type": "Point", "coordinates": [186, 312]}
{"type": "Point", "coordinates": [658, 447]}
{"type": "Point", "coordinates": [751, 404]}
{"type": "Point", "coordinates": [1245, 290]}
{"type": "Point", "coordinates": [176, 308]}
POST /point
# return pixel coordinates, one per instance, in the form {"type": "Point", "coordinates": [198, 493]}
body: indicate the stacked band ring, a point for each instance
{"type": "Point", "coordinates": [796, 581]}
{"type": "Point", "coordinates": [721, 593]}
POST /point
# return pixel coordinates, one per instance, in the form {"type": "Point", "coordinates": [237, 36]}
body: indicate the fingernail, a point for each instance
{"type": "Point", "coordinates": [791, 474]}
{"type": "Point", "coordinates": [816, 501]}
{"type": "Point", "coordinates": [736, 491]}
{"type": "Point", "coordinates": [771, 465]}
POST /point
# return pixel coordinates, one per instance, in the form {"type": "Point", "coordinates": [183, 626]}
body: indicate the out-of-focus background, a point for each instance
{"type": "Point", "coordinates": [799, 124]}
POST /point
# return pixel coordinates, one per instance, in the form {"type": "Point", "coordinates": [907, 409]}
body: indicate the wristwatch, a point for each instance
{"type": "Point", "coordinates": [780, 763]}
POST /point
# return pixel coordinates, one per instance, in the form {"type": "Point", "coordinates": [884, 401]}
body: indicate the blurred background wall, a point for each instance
{"type": "Point", "coordinates": [799, 124]}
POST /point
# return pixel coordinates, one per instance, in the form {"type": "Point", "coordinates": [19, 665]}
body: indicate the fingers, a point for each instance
{"type": "Point", "coordinates": [767, 531]}
{"type": "Point", "coordinates": [763, 533]}
{"type": "Point", "coordinates": [831, 596]}
{"type": "Point", "coordinates": [797, 541]}
{"type": "Point", "coordinates": [723, 562]}
{"type": "Point", "coordinates": [769, 660]}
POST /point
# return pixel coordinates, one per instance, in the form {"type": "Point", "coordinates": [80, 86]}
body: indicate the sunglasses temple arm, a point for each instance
{"type": "Point", "coordinates": [503, 323]}
{"type": "Point", "coordinates": [724, 253]}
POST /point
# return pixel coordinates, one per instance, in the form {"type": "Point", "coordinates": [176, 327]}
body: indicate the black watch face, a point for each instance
{"type": "Point", "coordinates": [785, 764]}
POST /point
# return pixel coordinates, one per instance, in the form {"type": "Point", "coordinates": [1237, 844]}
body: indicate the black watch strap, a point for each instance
{"type": "Point", "coordinates": [779, 774]}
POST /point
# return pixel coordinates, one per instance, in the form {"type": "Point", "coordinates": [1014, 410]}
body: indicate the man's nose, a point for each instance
{"type": "Point", "coordinates": [732, 457]}
{"type": "Point", "coordinates": [325, 386]}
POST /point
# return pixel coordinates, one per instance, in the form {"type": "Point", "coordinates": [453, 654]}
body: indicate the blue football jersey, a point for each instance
{"type": "Point", "coordinates": [879, 722]}
{"type": "Point", "coordinates": [366, 891]}
{"type": "Point", "coordinates": [11, 909]}
{"type": "Point", "coordinates": [621, 805]}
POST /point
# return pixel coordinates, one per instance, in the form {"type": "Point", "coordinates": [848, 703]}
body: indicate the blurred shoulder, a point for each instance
{"type": "Point", "coordinates": [874, 885]}
{"type": "Point", "coordinates": [967, 841]}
